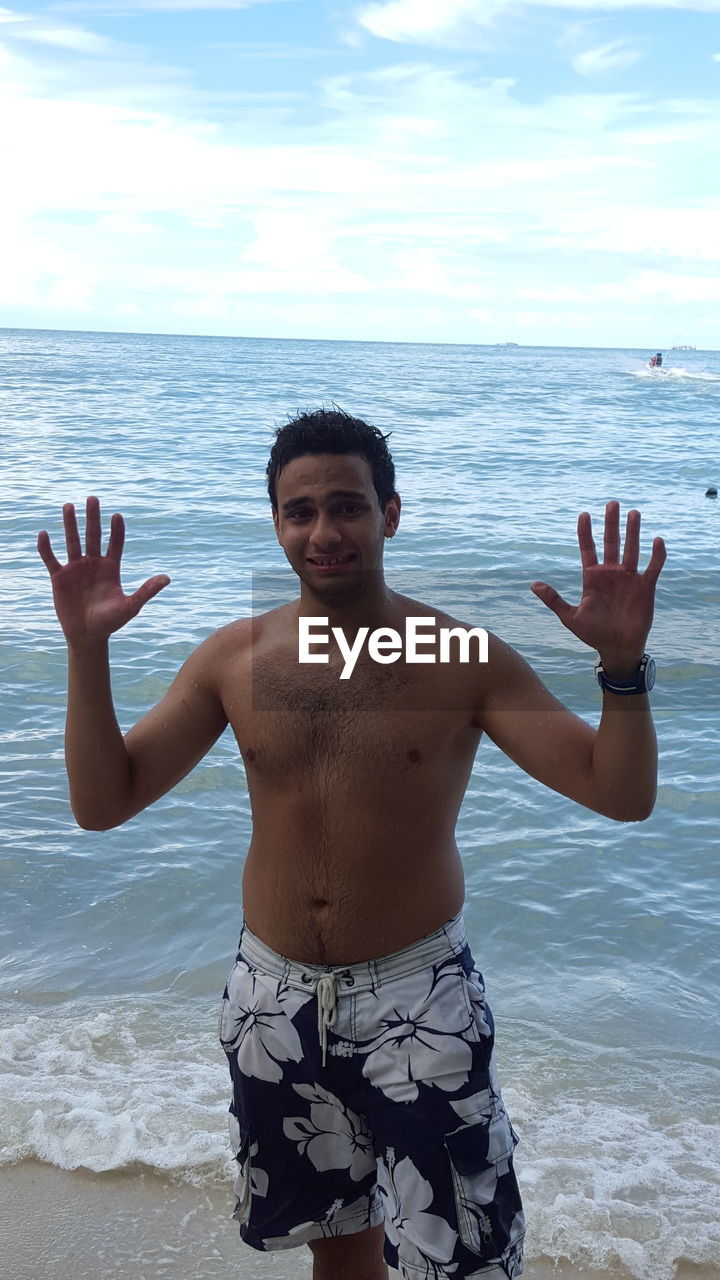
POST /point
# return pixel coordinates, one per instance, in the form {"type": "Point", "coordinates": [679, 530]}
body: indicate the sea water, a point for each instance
{"type": "Point", "coordinates": [598, 940]}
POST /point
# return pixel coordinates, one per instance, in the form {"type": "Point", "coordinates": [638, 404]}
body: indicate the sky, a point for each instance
{"type": "Point", "coordinates": [470, 171]}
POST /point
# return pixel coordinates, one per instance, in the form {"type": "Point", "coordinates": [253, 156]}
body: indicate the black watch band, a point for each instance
{"type": "Point", "coordinates": [641, 682]}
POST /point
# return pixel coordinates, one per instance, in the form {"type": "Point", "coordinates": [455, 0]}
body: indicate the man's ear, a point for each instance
{"type": "Point", "coordinates": [392, 515]}
{"type": "Point", "coordinates": [276, 522]}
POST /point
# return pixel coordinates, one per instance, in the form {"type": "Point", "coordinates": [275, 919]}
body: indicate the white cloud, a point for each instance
{"type": "Point", "coordinates": [426, 270]}
{"type": "Point", "coordinates": [447, 23]}
{"type": "Point", "coordinates": [631, 290]}
{"type": "Point", "coordinates": [408, 194]}
{"type": "Point", "coordinates": [291, 239]}
{"type": "Point", "coordinates": [558, 293]}
{"type": "Point", "coordinates": [116, 8]}
{"type": "Point", "coordinates": [125, 224]}
{"type": "Point", "coordinates": [26, 26]}
{"type": "Point", "coordinates": [72, 38]}
{"type": "Point", "coordinates": [686, 232]}
{"type": "Point", "coordinates": [613, 56]}
{"type": "Point", "coordinates": [298, 278]}
{"type": "Point", "coordinates": [423, 19]}
{"type": "Point", "coordinates": [39, 270]}
{"type": "Point", "coordinates": [663, 284]}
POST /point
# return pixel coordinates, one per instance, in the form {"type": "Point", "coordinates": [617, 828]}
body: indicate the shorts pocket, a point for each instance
{"type": "Point", "coordinates": [229, 1022]}
{"type": "Point", "coordinates": [240, 1143]}
{"type": "Point", "coordinates": [487, 1197]}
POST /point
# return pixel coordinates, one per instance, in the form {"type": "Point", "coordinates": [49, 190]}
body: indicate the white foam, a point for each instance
{"type": "Point", "coordinates": [122, 1083]}
{"type": "Point", "coordinates": [114, 1088]}
{"type": "Point", "coordinates": [676, 373]}
{"type": "Point", "coordinates": [606, 1186]}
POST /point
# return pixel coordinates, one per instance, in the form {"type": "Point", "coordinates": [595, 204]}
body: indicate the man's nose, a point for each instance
{"type": "Point", "coordinates": [325, 532]}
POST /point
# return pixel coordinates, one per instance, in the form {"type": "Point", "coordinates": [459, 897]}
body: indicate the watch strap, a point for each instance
{"type": "Point", "coordinates": [641, 682]}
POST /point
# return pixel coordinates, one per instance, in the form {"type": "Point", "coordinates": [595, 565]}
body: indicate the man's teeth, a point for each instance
{"type": "Point", "coordinates": [337, 560]}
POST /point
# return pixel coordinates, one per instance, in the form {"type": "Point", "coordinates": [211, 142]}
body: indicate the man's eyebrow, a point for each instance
{"type": "Point", "coordinates": [356, 494]}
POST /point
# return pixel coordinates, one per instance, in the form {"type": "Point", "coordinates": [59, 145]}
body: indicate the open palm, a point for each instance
{"type": "Point", "coordinates": [87, 592]}
{"type": "Point", "coordinates": [615, 612]}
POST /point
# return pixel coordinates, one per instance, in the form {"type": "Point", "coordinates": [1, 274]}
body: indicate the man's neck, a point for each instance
{"type": "Point", "coordinates": [376, 606]}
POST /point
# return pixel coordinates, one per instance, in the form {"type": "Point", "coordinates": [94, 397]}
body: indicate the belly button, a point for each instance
{"type": "Point", "coordinates": [318, 903]}
{"type": "Point", "coordinates": [250, 753]}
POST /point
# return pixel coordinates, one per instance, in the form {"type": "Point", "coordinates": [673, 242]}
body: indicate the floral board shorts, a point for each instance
{"type": "Point", "coordinates": [366, 1095]}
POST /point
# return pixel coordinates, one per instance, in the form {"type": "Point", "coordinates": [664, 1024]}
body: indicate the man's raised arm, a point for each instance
{"type": "Point", "coordinates": [112, 778]}
{"type": "Point", "coordinates": [611, 769]}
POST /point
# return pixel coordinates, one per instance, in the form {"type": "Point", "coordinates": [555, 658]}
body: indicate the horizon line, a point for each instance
{"type": "Point", "coordinates": [407, 342]}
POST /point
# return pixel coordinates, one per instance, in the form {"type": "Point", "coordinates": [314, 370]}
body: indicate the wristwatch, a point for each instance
{"type": "Point", "coordinates": [641, 682]}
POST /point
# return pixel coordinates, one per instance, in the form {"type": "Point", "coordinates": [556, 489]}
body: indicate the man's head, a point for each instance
{"type": "Point", "coordinates": [332, 431]}
{"type": "Point", "coordinates": [332, 485]}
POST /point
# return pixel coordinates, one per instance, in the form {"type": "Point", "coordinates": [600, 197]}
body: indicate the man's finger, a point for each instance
{"type": "Point", "coordinates": [147, 591]}
{"type": "Point", "coordinates": [72, 537]}
{"type": "Point", "coordinates": [552, 598]}
{"type": "Point", "coordinates": [611, 539]}
{"type": "Point", "coordinates": [588, 554]}
{"type": "Point", "coordinates": [632, 541]}
{"type": "Point", "coordinates": [93, 531]}
{"type": "Point", "coordinates": [657, 560]}
{"type": "Point", "coordinates": [116, 541]}
{"type": "Point", "coordinates": [49, 559]}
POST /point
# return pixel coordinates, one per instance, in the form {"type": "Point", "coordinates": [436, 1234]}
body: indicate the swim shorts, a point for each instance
{"type": "Point", "coordinates": [368, 1094]}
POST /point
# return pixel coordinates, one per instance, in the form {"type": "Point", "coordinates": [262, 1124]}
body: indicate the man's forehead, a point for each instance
{"type": "Point", "coordinates": [321, 471]}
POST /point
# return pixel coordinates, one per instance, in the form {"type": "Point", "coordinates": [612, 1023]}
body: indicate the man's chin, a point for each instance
{"type": "Point", "coordinates": [331, 586]}
{"type": "Point", "coordinates": [328, 586]}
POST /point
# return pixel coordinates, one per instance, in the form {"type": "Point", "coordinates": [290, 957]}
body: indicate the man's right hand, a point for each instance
{"type": "Point", "coordinates": [89, 600]}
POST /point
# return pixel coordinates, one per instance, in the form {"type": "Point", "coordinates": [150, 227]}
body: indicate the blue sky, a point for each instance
{"type": "Point", "coordinates": [403, 170]}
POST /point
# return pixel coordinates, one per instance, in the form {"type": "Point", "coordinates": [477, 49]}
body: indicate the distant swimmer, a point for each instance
{"type": "Point", "coordinates": [655, 361]}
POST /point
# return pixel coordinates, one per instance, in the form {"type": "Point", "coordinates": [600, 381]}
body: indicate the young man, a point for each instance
{"type": "Point", "coordinates": [366, 1114]}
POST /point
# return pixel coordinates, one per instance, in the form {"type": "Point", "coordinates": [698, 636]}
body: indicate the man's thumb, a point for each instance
{"type": "Point", "coordinates": [552, 599]}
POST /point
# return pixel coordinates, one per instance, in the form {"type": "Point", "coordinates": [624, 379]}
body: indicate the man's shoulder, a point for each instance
{"type": "Point", "coordinates": [210, 660]}
{"type": "Point", "coordinates": [237, 639]}
{"type": "Point", "coordinates": [229, 637]}
{"type": "Point", "coordinates": [411, 608]}
{"type": "Point", "coordinates": [420, 609]}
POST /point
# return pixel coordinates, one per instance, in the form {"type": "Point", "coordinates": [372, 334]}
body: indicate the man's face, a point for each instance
{"type": "Point", "coordinates": [329, 521]}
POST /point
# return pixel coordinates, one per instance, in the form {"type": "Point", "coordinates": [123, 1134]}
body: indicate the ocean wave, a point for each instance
{"type": "Point", "coordinates": [610, 1187]}
{"type": "Point", "coordinates": [123, 1083]}
{"type": "Point", "coordinates": [675, 373]}
{"type": "Point", "coordinates": [119, 1085]}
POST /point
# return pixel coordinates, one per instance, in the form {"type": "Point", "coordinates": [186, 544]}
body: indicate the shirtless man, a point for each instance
{"type": "Point", "coordinates": [366, 1113]}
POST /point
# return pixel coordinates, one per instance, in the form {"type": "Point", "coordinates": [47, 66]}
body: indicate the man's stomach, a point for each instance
{"type": "Point", "coordinates": [358, 901]}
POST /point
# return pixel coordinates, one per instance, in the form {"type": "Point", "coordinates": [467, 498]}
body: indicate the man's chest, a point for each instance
{"type": "Point", "coordinates": [289, 720]}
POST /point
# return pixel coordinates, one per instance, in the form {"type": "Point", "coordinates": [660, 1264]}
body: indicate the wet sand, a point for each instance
{"type": "Point", "coordinates": [137, 1225]}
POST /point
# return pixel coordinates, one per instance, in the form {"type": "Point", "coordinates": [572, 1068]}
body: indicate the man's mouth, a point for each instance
{"type": "Point", "coordinates": [331, 562]}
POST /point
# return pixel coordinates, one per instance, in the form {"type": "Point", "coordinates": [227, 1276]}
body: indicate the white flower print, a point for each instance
{"type": "Point", "coordinates": [334, 1137]}
{"type": "Point", "coordinates": [428, 1040]}
{"type": "Point", "coordinates": [425, 1242]}
{"type": "Point", "coordinates": [259, 1178]}
{"type": "Point", "coordinates": [256, 1027]}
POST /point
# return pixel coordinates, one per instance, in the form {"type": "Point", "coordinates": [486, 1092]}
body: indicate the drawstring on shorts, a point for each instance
{"type": "Point", "coordinates": [327, 1008]}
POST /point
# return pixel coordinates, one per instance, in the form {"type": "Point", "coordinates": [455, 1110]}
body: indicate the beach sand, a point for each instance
{"type": "Point", "coordinates": [138, 1225]}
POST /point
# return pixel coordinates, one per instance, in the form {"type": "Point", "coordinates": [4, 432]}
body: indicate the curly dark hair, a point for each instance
{"type": "Point", "coordinates": [332, 431]}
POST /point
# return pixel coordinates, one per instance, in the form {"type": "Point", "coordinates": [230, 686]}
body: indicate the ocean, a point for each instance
{"type": "Point", "coordinates": [598, 940]}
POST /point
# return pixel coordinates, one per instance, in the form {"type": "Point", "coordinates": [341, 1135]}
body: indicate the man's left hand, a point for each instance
{"type": "Point", "coordinates": [615, 613]}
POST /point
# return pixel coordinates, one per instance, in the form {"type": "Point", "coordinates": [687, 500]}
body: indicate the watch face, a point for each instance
{"type": "Point", "coordinates": [650, 674]}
